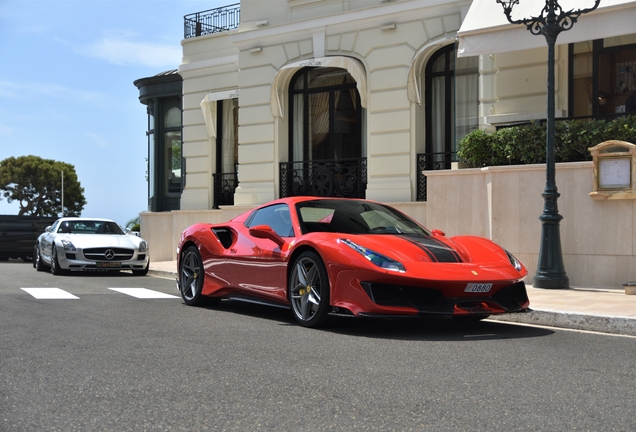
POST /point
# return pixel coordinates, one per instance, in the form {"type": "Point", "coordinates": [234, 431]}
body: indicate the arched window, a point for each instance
{"type": "Point", "coordinates": [325, 136]}
{"type": "Point", "coordinates": [452, 104]}
{"type": "Point", "coordinates": [325, 115]}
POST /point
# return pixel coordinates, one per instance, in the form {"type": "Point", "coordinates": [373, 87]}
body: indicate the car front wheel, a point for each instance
{"type": "Point", "coordinates": [143, 272]}
{"type": "Point", "coordinates": [55, 264]}
{"type": "Point", "coordinates": [309, 290]}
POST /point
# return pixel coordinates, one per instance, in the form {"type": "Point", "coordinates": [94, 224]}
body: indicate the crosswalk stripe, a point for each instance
{"type": "Point", "coordinates": [50, 294]}
{"type": "Point", "coordinates": [143, 293]}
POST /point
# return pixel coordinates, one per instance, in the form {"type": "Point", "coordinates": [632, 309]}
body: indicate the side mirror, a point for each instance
{"type": "Point", "coordinates": [48, 229]}
{"type": "Point", "coordinates": [437, 232]}
{"type": "Point", "coordinates": [266, 232]}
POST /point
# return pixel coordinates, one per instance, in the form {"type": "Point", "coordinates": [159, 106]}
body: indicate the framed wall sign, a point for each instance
{"type": "Point", "coordinates": [615, 173]}
{"type": "Point", "coordinates": [614, 170]}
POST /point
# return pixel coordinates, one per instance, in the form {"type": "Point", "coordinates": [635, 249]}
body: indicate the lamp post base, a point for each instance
{"type": "Point", "coordinates": [550, 269]}
{"type": "Point", "coordinates": [551, 281]}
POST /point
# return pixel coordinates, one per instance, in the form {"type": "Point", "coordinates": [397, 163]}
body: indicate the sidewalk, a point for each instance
{"type": "Point", "coordinates": [604, 310]}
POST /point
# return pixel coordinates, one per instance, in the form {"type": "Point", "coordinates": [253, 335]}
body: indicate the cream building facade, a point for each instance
{"type": "Point", "coordinates": [396, 99]}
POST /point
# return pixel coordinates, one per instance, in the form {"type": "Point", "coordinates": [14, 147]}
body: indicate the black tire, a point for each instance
{"type": "Point", "coordinates": [37, 260]}
{"type": "Point", "coordinates": [55, 264]}
{"type": "Point", "coordinates": [191, 277]}
{"type": "Point", "coordinates": [143, 272]}
{"type": "Point", "coordinates": [308, 290]}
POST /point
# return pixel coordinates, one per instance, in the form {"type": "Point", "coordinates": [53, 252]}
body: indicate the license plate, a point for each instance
{"type": "Point", "coordinates": [108, 264]}
{"type": "Point", "coordinates": [478, 287]}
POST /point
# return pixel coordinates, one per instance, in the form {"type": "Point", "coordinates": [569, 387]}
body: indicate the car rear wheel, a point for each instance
{"type": "Point", "coordinates": [191, 276]}
{"type": "Point", "coordinates": [309, 290]}
{"type": "Point", "coordinates": [37, 259]}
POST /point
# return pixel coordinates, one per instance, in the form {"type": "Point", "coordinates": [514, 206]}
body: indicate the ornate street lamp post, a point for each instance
{"type": "Point", "coordinates": [552, 21]}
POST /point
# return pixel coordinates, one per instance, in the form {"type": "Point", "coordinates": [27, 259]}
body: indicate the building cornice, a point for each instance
{"type": "Point", "coordinates": [193, 67]}
{"type": "Point", "coordinates": [390, 13]}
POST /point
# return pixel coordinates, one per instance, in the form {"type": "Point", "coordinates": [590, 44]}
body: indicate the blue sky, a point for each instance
{"type": "Point", "coordinates": [66, 89]}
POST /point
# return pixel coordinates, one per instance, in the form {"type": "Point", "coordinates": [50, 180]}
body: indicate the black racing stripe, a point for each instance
{"type": "Point", "coordinates": [436, 250]}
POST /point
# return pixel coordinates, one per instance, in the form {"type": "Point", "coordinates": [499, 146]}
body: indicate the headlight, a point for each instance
{"type": "Point", "coordinates": [143, 246]}
{"type": "Point", "coordinates": [376, 258]}
{"type": "Point", "coordinates": [514, 261]}
{"type": "Point", "coordinates": [67, 245]}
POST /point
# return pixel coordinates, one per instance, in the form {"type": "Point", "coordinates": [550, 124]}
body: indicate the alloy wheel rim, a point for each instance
{"type": "Point", "coordinates": [305, 292]}
{"type": "Point", "coordinates": [190, 270]}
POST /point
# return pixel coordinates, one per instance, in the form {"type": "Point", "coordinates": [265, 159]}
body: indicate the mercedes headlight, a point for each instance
{"type": "Point", "coordinates": [67, 245]}
{"type": "Point", "coordinates": [143, 246]}
{"type": "Point", "coordinates": [376, 258]}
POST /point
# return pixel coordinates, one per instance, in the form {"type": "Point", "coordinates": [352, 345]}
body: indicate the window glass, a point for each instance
{"type": "Point", "coordinates": [172, 142]}
{"type": "Point", "coordinates": [616, 80]}
{"type": "Point", "coordinates": [466, 96]}
{"type": "Point", "coordinates": [173, 118]}
{"type": "Point", "coordinates": [89, 227]}
{"type": "Point", "coordinates": [150, 169]}
{"type": "Point", "coordinates": [452, 104]}
{"type": "Point", "coordinates": [325, 116]}
{"type": "Point", "coordinates": [582, 87]}
{"type": "Point", "coordinates": [229, 128]}
{"type": "Point", "coordinates": [276, 217]}
{"type": "Point", "coordinates": [355, 217]}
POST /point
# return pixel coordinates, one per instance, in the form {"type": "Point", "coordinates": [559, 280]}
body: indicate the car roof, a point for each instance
{"type": "Point", "coordinates": [304, 198]}
{"type": "Point", "coordinates": [75, 219]}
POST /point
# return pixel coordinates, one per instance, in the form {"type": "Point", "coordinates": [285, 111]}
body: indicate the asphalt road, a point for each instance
{"type": "Point", "coordinates": [109, 361]}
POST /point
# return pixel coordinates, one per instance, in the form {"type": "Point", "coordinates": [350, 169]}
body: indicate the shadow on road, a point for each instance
{"type": "Point", "coordinates": [419, 328]}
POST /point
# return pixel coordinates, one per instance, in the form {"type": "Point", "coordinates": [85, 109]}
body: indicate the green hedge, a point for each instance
{"type": "Point", "coordinates": [520, 145]}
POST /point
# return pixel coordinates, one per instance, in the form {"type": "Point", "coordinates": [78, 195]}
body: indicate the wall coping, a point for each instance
{"type": "Point", "coordinates": [508, 168]}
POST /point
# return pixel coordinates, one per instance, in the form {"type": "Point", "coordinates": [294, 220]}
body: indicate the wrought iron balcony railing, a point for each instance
{"type": "Point", "coordinates": [431, 161]}
{"type": "Point", "coordinates": [345, 178]}
{"type": "Point", "coordinates": [224, 187]}
{"type": "Point", "coordinates": [211, 21]}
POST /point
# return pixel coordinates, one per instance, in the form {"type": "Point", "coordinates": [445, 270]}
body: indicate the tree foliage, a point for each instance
{"type": "Point", "coordinates": [518, 145]}
{"type": "Point", "coordinates": [36, 184]}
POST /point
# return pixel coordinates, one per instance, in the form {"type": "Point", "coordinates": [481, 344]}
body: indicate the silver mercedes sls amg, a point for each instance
{"type": "Point", "coordinates": [82, 244]}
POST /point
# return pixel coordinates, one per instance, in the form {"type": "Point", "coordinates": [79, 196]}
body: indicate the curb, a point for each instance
{"type": "Point", "coordinates": [162, 274]}
{"type": "Point", "coordinates": [562, 319]}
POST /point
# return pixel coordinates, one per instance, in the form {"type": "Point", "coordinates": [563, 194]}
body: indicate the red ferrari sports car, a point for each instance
{"type": "Point", "coordinates": [352, 257]}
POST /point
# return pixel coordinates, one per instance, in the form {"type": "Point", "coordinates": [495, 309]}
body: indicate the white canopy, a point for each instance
{"type": "Point", "coordinates": [208, 106]}
{"type": "Point", "coordinates": [283, 77]}
{"type": "Point", "coordinates": [486, 30]}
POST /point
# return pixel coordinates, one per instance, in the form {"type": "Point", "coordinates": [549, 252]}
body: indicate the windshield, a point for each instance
{"type": "Point", "coordinates": [354, 217]}
{"type": "Point", "coordinates": [89, 227]}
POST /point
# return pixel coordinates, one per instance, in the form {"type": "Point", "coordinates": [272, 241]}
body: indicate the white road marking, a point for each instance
{"type": "Point", "coordinates": [143, 293]}
{"type": "Point", "coordinates": [50, 294]}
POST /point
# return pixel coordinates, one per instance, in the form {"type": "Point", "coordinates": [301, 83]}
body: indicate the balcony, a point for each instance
{"type": "Point", "coordinates": [211, 21]}
{"type": "Point", "coordinates": [346, 178]}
